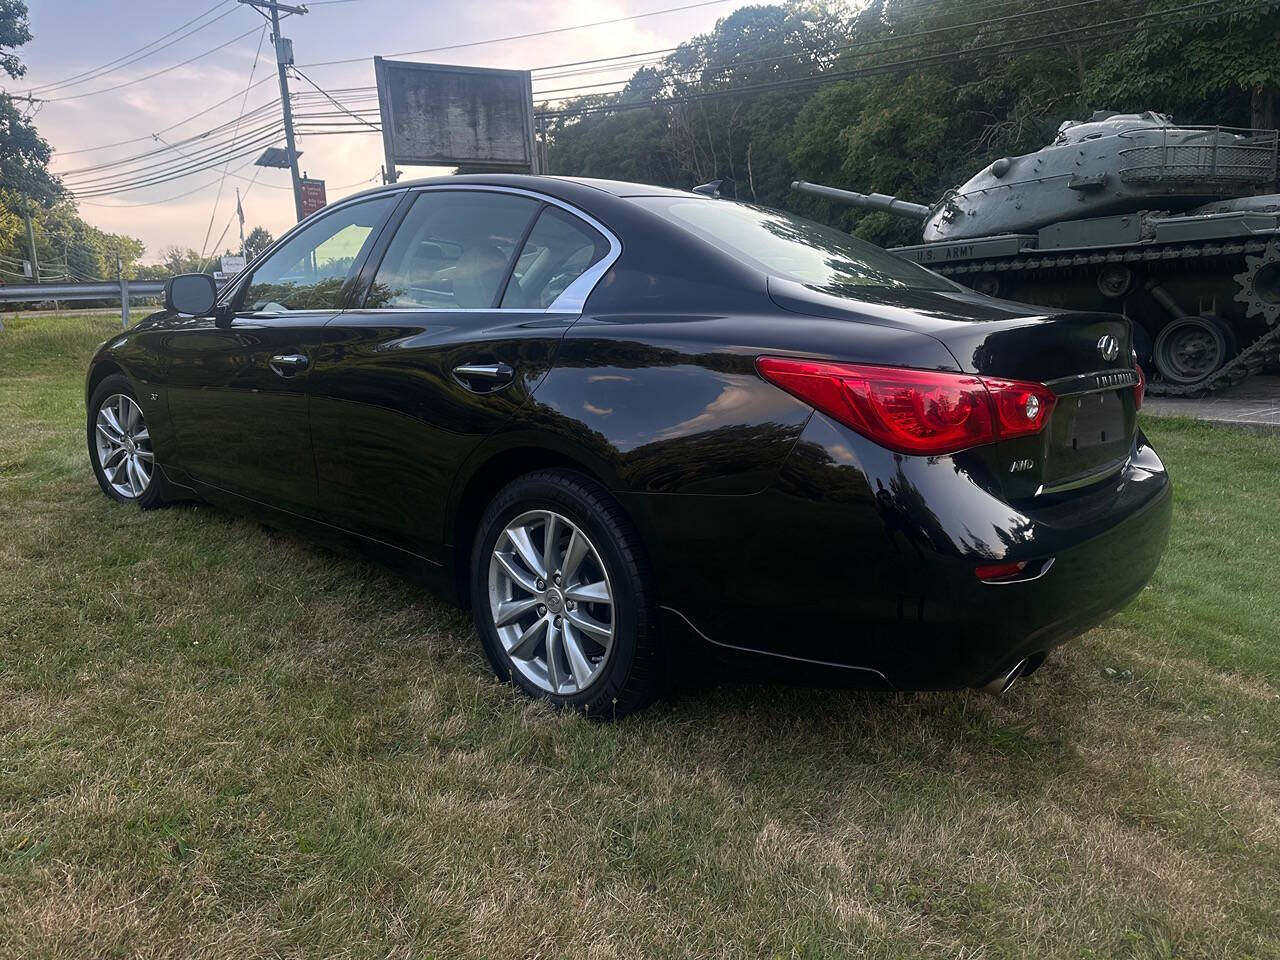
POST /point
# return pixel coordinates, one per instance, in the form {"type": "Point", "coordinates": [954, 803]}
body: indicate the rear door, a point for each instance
{"type": "Point", "coordinates": [237, 386]}
{"type": "Point", "coordinates": [462, 313]}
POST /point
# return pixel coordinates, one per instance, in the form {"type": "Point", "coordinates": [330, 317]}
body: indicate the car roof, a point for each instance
{"type": "Point", "coordinates": [565, 188]}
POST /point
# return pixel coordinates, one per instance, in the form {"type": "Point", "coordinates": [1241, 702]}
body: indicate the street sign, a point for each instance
{"type": "Point", "coordinates": [441, 115]}
{"type": "Point", "coordinates": [313, 197]}
{"type": "Point", "coordinates": [232, 264]}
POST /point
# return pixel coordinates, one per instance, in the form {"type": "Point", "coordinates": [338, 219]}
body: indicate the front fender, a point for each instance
{"type": "Point", "coordinates": [134, 353]}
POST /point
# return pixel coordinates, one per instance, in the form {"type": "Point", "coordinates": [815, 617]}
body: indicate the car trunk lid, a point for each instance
{"type": "Point", "coordinates": [1086, 358]}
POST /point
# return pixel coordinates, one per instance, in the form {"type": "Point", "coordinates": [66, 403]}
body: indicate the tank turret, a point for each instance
{"type": "Point", "coordinates": [1176, 226]}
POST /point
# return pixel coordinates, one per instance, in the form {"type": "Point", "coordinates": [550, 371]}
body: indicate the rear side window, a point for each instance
{"type": "Point", "coordinates": [308, 271]}
{"type": "Point", "coordinates": [782, 245]}
{"type": "Point", "coordinates": [560, 249]}
{"type": "Point", "coordinates": [452, 251]}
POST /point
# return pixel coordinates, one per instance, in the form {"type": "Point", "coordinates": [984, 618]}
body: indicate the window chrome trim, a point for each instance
{"type": "Point", "coordinates": [572, 299]}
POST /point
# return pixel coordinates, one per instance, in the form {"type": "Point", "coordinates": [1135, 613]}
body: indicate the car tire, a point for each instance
{"type": "Point", "coordinates": [554, 649]}
{"type": "Point", "coordinates": [121, 480]}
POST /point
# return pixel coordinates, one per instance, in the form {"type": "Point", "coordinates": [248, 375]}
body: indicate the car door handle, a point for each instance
{"type": "Point", "coordinates": [289, 364]}
{"type": "Point", "coordinates": [490, 375]}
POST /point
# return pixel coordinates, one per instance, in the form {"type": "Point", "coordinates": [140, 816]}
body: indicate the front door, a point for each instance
{"type": "Point", "coordinates": [237, 384]}
{"type": "Point", "coordinates": [459, 326]}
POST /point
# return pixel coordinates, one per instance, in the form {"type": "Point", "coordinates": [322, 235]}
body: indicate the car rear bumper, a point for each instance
{"type": "Point", "coordinates": [861, 559]}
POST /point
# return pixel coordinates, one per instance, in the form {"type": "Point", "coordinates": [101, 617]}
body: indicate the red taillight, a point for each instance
{"type": "Point", "coordinates": [926, 412]}
{"type": "Point", "coordinates": [1139, 388]}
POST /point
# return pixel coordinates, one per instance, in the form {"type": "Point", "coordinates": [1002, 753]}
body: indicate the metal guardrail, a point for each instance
{"type": "Point", "coordinates": [121, 290]}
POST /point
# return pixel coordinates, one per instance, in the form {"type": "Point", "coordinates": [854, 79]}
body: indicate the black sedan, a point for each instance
{"type": "Point", "coordinates": [625, 424]}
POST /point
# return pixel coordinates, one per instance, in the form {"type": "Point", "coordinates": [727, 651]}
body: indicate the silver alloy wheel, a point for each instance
{"type": "Point", "coordinates": [124, 446]}
{"type": "Point", "coordinates": [552, 602]}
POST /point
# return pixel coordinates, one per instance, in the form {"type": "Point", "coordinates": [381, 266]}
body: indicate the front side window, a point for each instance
{"type": "Point", "coordinates": [309, 270]}
{"type": "Point", "coordinates": [793, 248]}
{"type": "Point", "coordinates": [452, 251]}
{"type": "Point", "coordinates": [560, 249]}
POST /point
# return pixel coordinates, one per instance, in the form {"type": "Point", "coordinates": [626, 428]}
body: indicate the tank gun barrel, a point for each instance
{"type": "Point", "coordinates": [871, 201]}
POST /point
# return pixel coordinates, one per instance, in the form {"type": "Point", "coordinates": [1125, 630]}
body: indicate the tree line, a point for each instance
{"type": "Point", "coordinates": [911, 97]}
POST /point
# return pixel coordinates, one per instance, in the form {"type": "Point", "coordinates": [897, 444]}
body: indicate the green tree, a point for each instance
{"type": "Point", "coordinates": [656, 138]}
{"type": "Point", "coordinates": [175, 260]}
{"type": "Point", "coordinates": [927, 94]}
{"type": "Point", "coordinates": [1223, 71]}
{"type": "Point", "coordinates": [66, 245]}
{"type": "Point", "coordinates": [24, 155]}
{"type": "Point", "coordinates": [14, 32]}
{"type": "Point", "coordinates": [259, 239]}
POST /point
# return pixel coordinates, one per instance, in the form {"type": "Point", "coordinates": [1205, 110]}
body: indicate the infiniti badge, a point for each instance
{"type": "Point", "coordinates": [1109, 347]}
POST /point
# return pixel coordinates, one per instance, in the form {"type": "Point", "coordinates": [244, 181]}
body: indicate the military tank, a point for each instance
{"type": "Point", "coordinates": [1174, 226]}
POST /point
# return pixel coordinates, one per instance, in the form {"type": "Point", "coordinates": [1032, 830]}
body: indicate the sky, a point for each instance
{"type": "Point", "coordinates": [75, 36]}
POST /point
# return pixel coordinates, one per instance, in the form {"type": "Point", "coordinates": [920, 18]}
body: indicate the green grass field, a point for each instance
{"type": "Point", "coordinates": [216, 741]}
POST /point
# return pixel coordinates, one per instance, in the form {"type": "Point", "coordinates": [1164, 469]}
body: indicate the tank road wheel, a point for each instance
{"type": "Point", "coordinates": [1114, 281]}
{"type": "Point", "coordinates": [1191, 348]}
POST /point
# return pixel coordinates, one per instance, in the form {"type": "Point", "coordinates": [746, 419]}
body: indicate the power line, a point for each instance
{"type": "Point", "coordinates": [79, 172]}
{"type": "Point", "coordinates": [150, 76]}
{"type": "Point", "coordinates": [245, 148]}
{"type": "Point", "coordinates": [235, 131]}
{"type": "Point", "coordinates": [205, 151]}
{"type": "Point", "coordinates": [526, 36]}
{"type": "Point", "coordinates": [315, 121]}
{"type": "Point", "coordinates": [331, 100]}
{"type": "Point", "coordinates": [814, 52]}
{"type": "Point", "coordinates": [119, 62]}
{"type": "Point", "coordinates": [148, 136]}
{"type": "Point", "coordinates": [179, 196]}
{"type": "Point", "coordinates": [1051, 39]}
{"type": "Point", "coordinates": [998, 48]}
{"type": "Point", "coordinates": [210, 108]}
{"type": "Point", "coordinates": [674, 76]}
{"type": "Point", "coordinates": [841, 48]}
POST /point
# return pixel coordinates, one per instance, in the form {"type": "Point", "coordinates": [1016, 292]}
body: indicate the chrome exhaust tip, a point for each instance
{"type": "Point", "coordinates": [1004, 681]}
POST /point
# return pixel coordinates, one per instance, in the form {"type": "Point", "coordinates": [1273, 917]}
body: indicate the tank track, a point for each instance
{"type": "Point", "coordinates": [1246, 363]}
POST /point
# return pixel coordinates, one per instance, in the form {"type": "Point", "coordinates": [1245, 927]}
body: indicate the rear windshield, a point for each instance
{"type": "Point", "coordinates": [793, 248]}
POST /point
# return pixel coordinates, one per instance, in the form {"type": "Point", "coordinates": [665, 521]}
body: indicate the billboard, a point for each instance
{"type": "Point", "coordinates": [439, 115]}
{"type": "Point", "coordinates": [313, 196]}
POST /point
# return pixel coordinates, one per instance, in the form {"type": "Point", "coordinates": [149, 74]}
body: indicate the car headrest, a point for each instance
{"type": "Point", "coordinates": [477, 274]}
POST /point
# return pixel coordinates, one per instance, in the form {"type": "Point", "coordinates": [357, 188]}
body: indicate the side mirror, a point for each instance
{"type": "Point", "coordinates": [190, 293]}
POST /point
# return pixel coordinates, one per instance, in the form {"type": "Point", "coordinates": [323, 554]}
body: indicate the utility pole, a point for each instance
{"type": "Point", "coordinates": [31, 245]}
{"type": "Point", "coordinates": [284, 57]}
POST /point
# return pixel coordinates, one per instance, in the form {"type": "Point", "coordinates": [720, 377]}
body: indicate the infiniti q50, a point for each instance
{"type": "Point", "coordinates": [625, 424]}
